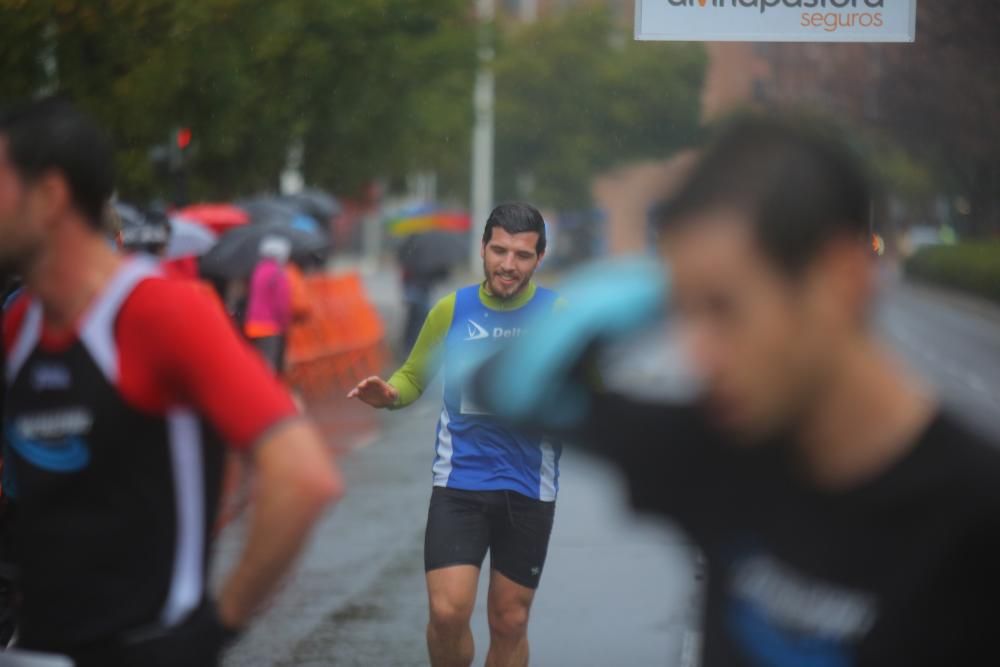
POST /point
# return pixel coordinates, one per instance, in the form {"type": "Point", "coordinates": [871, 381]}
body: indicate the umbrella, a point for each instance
{"type": "Point", "coordinates": [315, 203]}
{"type": "Point", "coordinates": [129, 215]}
{"type": "Point", "coordinates": [425, 219]}
{"type": "Point", "coordinates": [433, 254]}
{"type": "Point", "coordinates": [219, 218]}
{"type": "Point", "coordinates": [267, 210]}
{"type": "Point", "coordinates": [188, 239]}
{"type": "Point", "coordinates": [237, 253]}
{"type": "Point", "coordinates": [141, 231]}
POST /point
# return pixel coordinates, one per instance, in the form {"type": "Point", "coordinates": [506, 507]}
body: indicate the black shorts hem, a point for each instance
{"type": "Point", "coordinates": [441, 566]}
{"type": "Point", "coordinates": [531, 584]}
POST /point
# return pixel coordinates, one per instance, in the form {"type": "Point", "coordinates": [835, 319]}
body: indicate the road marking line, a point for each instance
{"type": "Point", "coordinates": [690, 649]}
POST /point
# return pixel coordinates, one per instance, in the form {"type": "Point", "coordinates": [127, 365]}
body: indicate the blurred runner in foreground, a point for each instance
{"type": "Point", "coordinates": [121, 388]}
{"type": "Point", "coordinates": [494, 488]}
{"type": "Point", "coordinates": [845, 519]}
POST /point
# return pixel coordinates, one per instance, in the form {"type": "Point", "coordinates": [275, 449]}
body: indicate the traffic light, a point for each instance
{"type": "Point", "coordinates": [170, 160]}
{"type": "Point", "coordinates": [183, 137]}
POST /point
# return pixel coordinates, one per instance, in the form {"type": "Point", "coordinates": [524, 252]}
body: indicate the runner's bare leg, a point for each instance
{"type": "Point", "coordinates": [452, 595]}
{"type": "Point", "coordinates": [508, 608]}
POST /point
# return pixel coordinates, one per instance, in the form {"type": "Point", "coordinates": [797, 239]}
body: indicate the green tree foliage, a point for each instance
{"type": "Point", "coordinates": [372, 89]}
{"type": "Point", "coordinates": [576, 96]}
{"type": "Point", "coordinates": [366, 85]}
{"type": "Point", "coordinates": [396, 94]}
{"type": "Point", "coordinates": [972, 267]}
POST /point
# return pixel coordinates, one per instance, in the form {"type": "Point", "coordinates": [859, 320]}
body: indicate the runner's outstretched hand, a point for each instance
{"type": "Point", "coordinates": [376, 392]}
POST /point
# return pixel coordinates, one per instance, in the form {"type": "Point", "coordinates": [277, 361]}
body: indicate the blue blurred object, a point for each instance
{"type": "Point", "coordinates": [607, 301]}
{"type": "Point", "coordinates": [305, 223]}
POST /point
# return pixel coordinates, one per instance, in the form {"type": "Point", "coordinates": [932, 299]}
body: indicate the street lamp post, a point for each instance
{"type": "Point", "coordinates": [483, 131]}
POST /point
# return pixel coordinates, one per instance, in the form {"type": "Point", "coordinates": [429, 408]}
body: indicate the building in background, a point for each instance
{"type": "Point", "coordinates": [845, 80]}
{"type": "Point", "coordinates": [532, 10]}
{"type": "Point", "coordinates": [735, 78]}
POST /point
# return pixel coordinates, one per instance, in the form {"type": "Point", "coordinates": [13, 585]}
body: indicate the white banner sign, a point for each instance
{"type": "Point", "coordinates": [776, 20]}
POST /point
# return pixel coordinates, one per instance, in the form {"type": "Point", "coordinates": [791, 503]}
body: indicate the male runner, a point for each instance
{"type": "Point", "coordinates": [846, 520]}
{"type": "Point", "coordinates": [494, 488]}
{"type": "Point", "coordinates": [121, 388]}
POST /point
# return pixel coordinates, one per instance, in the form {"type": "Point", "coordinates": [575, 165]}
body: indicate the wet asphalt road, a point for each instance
{"type": "Point", "coordinates": [954, 342]}
{"type": "Point", "coordinates": [613, 586]}
{"type": "Point", "coordinates": [617, 591]}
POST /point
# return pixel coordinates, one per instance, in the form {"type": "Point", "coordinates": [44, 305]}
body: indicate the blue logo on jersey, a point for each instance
{"type": "Point", "coordinates": [67, 454]}
{"type": "Point", "coordinates": [782, 617]}
{"type": "Point", "coordinates": [770, 646]}
{"type": "Point", "coordinates": [476, 331]}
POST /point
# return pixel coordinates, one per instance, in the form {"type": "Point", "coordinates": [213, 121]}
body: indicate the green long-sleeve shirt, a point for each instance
{"type": "Point", "coordinates": [424, 361]}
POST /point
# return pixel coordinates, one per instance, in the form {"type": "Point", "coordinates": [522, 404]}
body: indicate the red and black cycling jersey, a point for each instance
{"type": "Point", "coordinates": [115, 431]}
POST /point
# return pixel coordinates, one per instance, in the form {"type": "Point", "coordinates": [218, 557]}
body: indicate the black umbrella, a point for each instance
{"type": "Point", "coordinates": [267, 210]}
{"type": "Point", "coordinates": [142, 231]}
{"type": "Point", "coordinates": [314, 203]}
{"type": "Point", "coordinates": [237, 252]}
{"type": "Point", "coordinates": [129, 215]}
{"type": "Point", "coordinates": [432, 255]}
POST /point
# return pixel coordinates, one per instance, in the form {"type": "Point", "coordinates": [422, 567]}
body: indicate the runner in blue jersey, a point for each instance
{"type": "Point", "coordinates": [494, 487]}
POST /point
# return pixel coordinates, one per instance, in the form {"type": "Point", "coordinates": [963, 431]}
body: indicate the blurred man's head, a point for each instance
{"type": "Point", "coordinates": [55, 165]}
{"type": "Point", "coordinates": [513, 246]}
{"type": "Point", "coordinates": [772, 274]}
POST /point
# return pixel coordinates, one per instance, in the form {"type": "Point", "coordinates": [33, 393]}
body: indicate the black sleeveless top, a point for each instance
{"type": "Point", "coordinates": [115, 505]}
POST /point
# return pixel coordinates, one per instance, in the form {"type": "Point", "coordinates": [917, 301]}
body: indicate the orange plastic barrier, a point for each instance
{"type": "Point", "coordinates": [341, 342]}
{"type": "Point", "coordinates": [337, 343]}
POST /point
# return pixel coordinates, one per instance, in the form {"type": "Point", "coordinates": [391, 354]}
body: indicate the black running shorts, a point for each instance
{"type": "Point", "coordinates": [463, 525]}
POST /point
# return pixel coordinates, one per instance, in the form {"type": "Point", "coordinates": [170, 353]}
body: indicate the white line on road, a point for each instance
{"type": "Point", "coordinates": [690, 649]}
{"type": "Point", "coordinates": [970, 380]}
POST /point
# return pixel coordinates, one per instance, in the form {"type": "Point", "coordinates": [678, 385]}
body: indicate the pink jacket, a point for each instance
{"type": "Point", "coordinates": [269, 307]}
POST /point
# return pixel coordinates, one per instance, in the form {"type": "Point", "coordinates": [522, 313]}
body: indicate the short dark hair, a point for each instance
{"type": "Point", "coordinates": [796, 177]}
{"type": "Point", "coordinates": [516, 218]}
{"type": "Point", "coordinates": [52, 133]}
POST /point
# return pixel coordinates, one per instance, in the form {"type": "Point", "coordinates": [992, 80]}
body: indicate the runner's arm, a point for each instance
{"type": "Point", "coordinates": [213, 371]}
{"type": "Point", "coordinates": [424, 361]}
{"type": "Point", "coordinates": [294, 481]}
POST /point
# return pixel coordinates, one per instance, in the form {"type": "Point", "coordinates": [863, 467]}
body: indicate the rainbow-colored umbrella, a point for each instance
{"type": "Point", "coordinates": [418, 221]}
